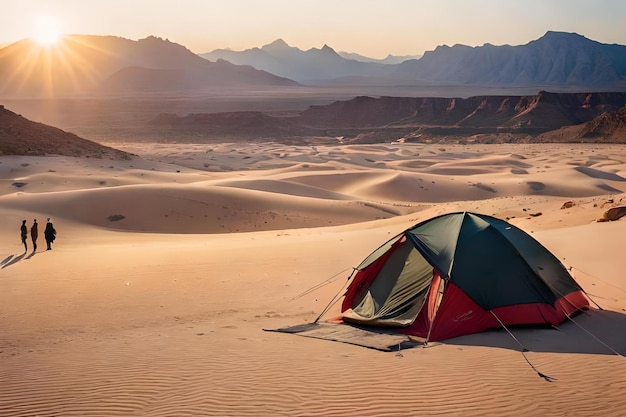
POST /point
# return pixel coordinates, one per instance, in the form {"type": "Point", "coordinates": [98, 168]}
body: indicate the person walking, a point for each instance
{"type": "Point", "coordinates": [34, 233]}
{"type": "Point", "coordinates": [24, 234]}
{"type": "Point", "coordinates": [50, 234]}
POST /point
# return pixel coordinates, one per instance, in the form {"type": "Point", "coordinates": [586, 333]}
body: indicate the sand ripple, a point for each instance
{"type": "Point", "coordinates": [216, 375]}
{"type": "Point", "coordinates": [114, 322]}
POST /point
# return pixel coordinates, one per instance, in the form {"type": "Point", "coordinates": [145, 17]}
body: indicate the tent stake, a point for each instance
{"type": "Point", "coordinates": [544, 376]}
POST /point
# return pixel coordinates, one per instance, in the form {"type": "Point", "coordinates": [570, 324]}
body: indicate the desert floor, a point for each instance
{"type": "Point", "coordinates": [168, 267]}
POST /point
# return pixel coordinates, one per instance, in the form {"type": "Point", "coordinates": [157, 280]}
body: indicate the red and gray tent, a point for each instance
{"type": "Point", "coordinates": [457, 274]}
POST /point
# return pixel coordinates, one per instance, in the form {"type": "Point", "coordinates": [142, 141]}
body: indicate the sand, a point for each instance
{"type": "Point", "coordinates": [168, 268]}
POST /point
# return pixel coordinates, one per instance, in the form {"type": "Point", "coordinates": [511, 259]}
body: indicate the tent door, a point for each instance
{"type": "Point", "coordinates": [398, 293]}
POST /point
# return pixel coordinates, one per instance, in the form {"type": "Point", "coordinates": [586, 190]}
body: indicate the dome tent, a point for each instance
{"type": "Point", "coordinates": [460, 273]}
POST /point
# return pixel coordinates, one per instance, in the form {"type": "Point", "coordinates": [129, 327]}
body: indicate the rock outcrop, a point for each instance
{"type": "Point", "coordinates": [20, 136]}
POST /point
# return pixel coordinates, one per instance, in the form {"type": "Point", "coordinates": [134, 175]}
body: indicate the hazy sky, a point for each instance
{"type": "Point", "coordinates": [370, 27]}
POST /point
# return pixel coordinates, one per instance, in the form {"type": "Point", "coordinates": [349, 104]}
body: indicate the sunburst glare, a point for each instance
{"type": "Point", "coordinates": [46, 30]}
{"type": "Point", "coordinates": [63, 66]}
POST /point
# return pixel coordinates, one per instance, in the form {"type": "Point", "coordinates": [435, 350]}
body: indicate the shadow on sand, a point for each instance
{"type": "Point", "coordinates": [594, 331]}
{"type": "Point", "coordinates": [13, 259]}
{"type": "Point", "coordinates": [599, 332]}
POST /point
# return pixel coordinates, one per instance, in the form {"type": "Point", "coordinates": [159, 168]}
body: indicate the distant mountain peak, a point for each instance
{"type": "Point", "coordinates": [560, 34]}
{"type": "Point", "coordinates": [277, 43]}
{"type": "Point", "coordinates": [151, 38]}
{"type": "Point", "coordinates": [554, 36]}
{"type": "Point", "coordinates": [277, 47]}
{"type": "Point", "coordinates": [328, 50]}
{"type": "Point", "coordinates": [158, 42]}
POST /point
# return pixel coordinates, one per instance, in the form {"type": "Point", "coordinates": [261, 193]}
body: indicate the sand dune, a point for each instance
{"type": "Point", "coordinates": [168, 267]}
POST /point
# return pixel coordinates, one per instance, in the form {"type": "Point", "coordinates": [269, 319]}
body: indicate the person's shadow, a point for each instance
{"type": "Point", "coordinates": [13, 259]}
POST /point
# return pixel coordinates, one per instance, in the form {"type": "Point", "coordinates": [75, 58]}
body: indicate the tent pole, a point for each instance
{"type": "Point", "coordinates": [432, 319]}
{"type": "Point", "coordinates": [430, 327]}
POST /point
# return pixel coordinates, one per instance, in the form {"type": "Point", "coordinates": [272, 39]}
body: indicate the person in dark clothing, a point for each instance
{"type": "Point", "coordinates": [50, 234]}
{"type": "Point", "coordinates": [24, 234]}
{"type": "Point", "coordinates": [34, 233]}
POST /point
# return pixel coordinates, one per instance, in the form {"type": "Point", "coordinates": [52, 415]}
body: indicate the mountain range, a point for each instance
{"type": "Point", "coordinates": [389, 59]}
{"type": "Point", "coordinates": [556, 59]}
{"type": "Point", "coordinates": [545, 117]}
{"type": "Point", "coordinates": [108, 65]}
{"type": "Point", "coordinates": [599, 117]}
{"type": "Point", "coordinates": [308, 67]}
{"type": "Point", "coordinates": [105, 65]}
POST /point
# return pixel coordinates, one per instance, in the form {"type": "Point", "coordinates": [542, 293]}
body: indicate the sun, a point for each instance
{"type": "Point", "coordinates": [46, 31]}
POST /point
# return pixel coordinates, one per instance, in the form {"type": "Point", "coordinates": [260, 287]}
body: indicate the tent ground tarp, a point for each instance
{"type": "Point", "coordinates": [345, 333]}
